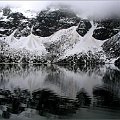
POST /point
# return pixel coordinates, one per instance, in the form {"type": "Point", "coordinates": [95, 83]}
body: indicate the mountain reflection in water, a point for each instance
{"type": "Point", "coordinates": [51, 91]}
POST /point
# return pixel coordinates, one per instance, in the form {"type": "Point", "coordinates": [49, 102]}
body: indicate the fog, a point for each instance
{"type": "Point", "coordinates": [83, 8]}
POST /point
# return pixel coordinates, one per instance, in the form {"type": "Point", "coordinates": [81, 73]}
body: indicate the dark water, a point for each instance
{"type": "Point", "coordinates": [49, 91]}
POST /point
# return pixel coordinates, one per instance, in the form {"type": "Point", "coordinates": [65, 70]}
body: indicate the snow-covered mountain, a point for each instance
{"type": "Point", "coordinates": [59, 36]}
{"type": "Point", "coordinates": [31, 43]}
{"type": "Point", "coordinates": [86, 43]}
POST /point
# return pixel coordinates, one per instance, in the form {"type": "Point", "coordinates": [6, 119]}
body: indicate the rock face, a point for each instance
{"type": "Point", "coordinates": [62, 32]}
{"type": "Point", "coordinates": [48, 22]}
{"type": "Point", "coordinates": [24, 29]}
{"type": "Point", "coordinates": [106, 28]}
{"type": "Point", "coordinates": [112, 46]}
{"type": "Point", "coordinates": [20, 22]}
{"type": "Point", "coordinates": [104, 33]}
{"type": "Point", "coordinates": [45, 24]}
{"type": "Point", "coordinates": [12, 22]}
{"type": "Point", "coordinates": [83, 27]}
{"type": "Point", "coordinates": [16, 16]}
{"type": "Point", "coordinates": [5, 28]}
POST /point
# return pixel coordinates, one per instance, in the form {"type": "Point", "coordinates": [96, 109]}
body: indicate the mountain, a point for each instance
{"type": "Point", "coordinates": [31, 42]}
{"type": "Point", "coordinates": [58, 36]}
{"type": "Point", "coordinates": [54, 20]}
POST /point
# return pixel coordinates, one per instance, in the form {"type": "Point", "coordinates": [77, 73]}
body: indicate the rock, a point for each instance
{"type": "Point", "coordinates": [14, 21]}
{"type": "Point", "coordinates": [6, 11]}
{"type": "Point", "coordinates": [23, 29]}
{"type": "Point", "coordinates": [52, 21]}
{"type": "Point", "coordinates": [104, 33]}
{"type": "Point", "coordinates": [112, 46]}
{"type": "Point", "coordinates": [5, 32]}
{"type": "Point", "coordinates": [106, 28]}
{"type": "Point", "coordinates": [5, 24]}
{"type": "Point", "coordinates": [5, 28]}
{"type": "Point", "coordinates": [45, 24]}
{"type": "Point", "coordinates": [16, 16]}
{"type": "Point", "coordinates": [83, 27]}
{"type": "Point", "coordinates": [83, 59]}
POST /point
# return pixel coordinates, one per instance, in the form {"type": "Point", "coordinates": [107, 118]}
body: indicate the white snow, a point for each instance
{"type": "Point", "coordinates": [3, 29]}
{"type": "Point", "coordinates": [11, 39]}
{"type": "Point", "coordinates": [63, 34]}
{"type": "Point", "coordinates": [31, 43]}
{"type": "Point", "coordinates": [65, 38]}
{"type": "Point", "coordinates": [85, 44]}
{"type": "Point", "coordinates": [1, 14]}
{"type": "Point", "coordinates": [29, 14]}
{"type": "Point", "coordinates": [69, 41]}
{"type": "Point", "coordinates": [26, 13]}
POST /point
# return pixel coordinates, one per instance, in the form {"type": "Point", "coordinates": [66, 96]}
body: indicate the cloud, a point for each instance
{"type": "Point", "coordinates": [34, 5]}
{"type": "Point", "coordinates": [94, 8]}
{"type": "Point", "coordinates": [83, 8]}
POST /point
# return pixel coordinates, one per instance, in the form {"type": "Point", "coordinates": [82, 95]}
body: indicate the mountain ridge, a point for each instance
{"type": "Point", "coordinates": [64, 37]}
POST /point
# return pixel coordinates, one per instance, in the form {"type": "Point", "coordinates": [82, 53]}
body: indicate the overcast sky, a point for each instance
{"type": "Point", "coordinates": [82, 7]}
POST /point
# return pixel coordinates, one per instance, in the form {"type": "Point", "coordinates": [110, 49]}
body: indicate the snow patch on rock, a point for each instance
{"type": "Point", "coordinates": [85, 44]}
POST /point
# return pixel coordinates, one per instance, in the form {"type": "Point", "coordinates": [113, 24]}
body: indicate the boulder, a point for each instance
{"type": "Point", "coordinates": [106, 28]}
{"type": "Point", "coordinates": [104, 33]}
{"type": "Point", "coordinates": [83, 27]}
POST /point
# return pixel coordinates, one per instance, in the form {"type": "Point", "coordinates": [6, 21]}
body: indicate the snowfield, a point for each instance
{"type": "Point", "coordinates": [66, 37]}
{"type": "Point", "coordinates": [85, 44]}
{"type": "Point", "coordinates": [31, 43]}
{"type": "Point", "coordinates": [65, 43]}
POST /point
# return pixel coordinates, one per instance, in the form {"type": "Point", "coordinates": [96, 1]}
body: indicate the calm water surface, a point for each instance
{"type": "Point", "coordinates": [49, 91]}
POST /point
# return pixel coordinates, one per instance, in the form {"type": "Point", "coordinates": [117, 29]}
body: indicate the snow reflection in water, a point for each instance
{"type": "Point", "coordinates": [50, 90]}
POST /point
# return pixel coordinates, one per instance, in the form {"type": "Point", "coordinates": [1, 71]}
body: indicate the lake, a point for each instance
{"type": "Point", "coordinates": [59, 92]}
